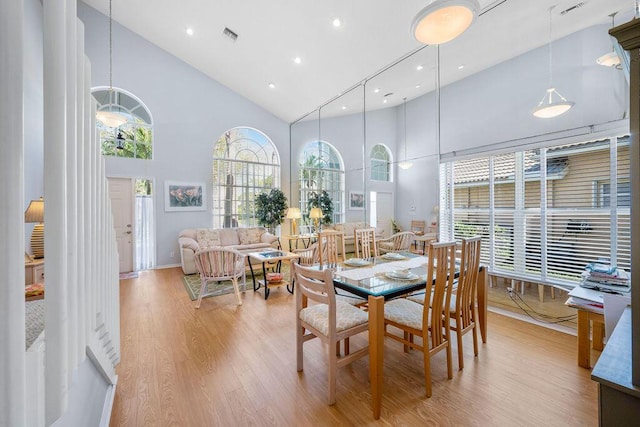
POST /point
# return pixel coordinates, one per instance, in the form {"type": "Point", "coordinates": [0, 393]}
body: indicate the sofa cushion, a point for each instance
{"type": "Point", "coordinates": [250, 235]}
{"type": "Point", "coordinates": [207, 237]}
{"type": "Point", "coordinates": [229, 236]}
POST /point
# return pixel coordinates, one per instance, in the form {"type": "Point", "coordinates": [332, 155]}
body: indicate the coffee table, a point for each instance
{"type": "Point", "coordinates": [270, 256]}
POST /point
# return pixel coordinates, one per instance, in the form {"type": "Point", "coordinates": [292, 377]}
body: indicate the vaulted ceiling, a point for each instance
{"type": "Point", "coordinates": [372, 34]}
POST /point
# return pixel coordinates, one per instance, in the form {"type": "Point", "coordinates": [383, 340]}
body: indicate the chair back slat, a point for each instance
{"type": "Point", "coordinates": [218, 262]}
{"type": "Point", "coordinates": [418, 227]}
{"type": "Point", "coordinates": [308, 256]}
{"type": "Point", "coordinates": [316, 285]}
{"type": "Point", "coordinates": [467, 281]}
{"type": "Point", "coordinates": [365, 243]}
{"type": "Point", "coordinates": [441, 267]}
{"type": "Point", "coordinates": [330, 247]}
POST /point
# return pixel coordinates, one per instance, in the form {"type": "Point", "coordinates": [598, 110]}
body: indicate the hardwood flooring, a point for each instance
{"type": "Point", "coordinates": [228, 365]}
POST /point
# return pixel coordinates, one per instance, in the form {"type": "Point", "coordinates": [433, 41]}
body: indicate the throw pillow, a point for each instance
{"type": "Point", "coordinates": [249, 236]}
{"type": "Point", "coordinates": [207, 237]}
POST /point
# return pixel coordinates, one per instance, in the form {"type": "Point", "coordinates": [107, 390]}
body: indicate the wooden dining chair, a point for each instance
{"type": "Point", "coordinates": [365, 243]}
{"type": "Point", "coordinates": [216, 264]}
{"type": "Point", "coordinates": [330, 247]}
{"type": "Point", "coordinates": [463, 303]}
{"type": "Point", "coordinates": [399, 242]}
{"type": "Point", "coordinates": [329, 319]}
{"type": "Point", "coordinates": [418, 227]}
{"type": "Point", "coordinates": [415, 319]}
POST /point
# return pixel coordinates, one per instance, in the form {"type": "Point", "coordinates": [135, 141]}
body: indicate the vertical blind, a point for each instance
{"type": "Point", "coordinates": [542, 223]}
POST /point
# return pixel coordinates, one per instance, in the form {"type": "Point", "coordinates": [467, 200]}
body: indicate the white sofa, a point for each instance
{"type": "Point", "coordinates": [243, 239]}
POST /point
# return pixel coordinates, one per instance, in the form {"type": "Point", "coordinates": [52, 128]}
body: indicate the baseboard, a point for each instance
{"type": "Point", "coordinates": [108, 405]}
{"type": "Point", "coordinates": [160, 267]}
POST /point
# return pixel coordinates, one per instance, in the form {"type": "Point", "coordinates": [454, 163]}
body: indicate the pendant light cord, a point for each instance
{"type": "Point", "coordinates": [550, 49]}
{"type": "Point", "coordinates": [405, 128]}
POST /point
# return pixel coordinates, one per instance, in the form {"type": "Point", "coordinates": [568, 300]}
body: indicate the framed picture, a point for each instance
{"type": "Point", "coordinates": [184, 196]}
{"type": "Point", "coordinates": [356, 200]}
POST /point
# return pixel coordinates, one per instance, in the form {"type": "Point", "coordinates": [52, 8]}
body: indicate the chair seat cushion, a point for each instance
{"type": "Point", "coordinates": [419, 298]}
{"type": "Point", "coordinates": [347, 316]}
{"type": "Point", "coordinates": [404, 312]}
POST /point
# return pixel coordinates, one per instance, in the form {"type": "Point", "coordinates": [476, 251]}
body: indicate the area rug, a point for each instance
{"type": "Point", "coordinates": [34, 321]}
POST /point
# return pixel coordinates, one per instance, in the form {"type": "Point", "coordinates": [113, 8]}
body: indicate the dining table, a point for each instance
{"type": "Point", "coordinates": [374, 280]}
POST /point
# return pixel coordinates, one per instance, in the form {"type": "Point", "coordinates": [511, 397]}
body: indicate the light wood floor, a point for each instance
{"type": "Point", "coordinates": [228, 365]}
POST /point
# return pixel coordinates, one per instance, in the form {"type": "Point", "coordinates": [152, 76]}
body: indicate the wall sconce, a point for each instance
{"type": "Point", "coordinates": [294, 214]}
{"type": "Point", "coordinates": [35, 213]}
{"type": "Point", "coordinates": [315, 215]}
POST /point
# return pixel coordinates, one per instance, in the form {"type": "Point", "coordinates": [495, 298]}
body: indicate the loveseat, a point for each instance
{"type": "Point", "coordinates": [348, 228]}
{"type": "Point", "coordinates": [245, 240]}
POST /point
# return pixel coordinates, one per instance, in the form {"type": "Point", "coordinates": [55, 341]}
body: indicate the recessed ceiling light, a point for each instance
{"type": "Point", "coordinates": [376, 90]}
{"type": "Point", "coordinates": [297, 60]}
{"type": "Point", "coordinates": [337, 22]}
{"type": "Point", "coordinates": [272, 85]}
{"type": "Point", "coordinates": [417, 86]}
{"type": "Point", "coordinates": [189, 31]}
{"type": "Point", "coordinates": [344, 107]}
{"type": "Point", "coordinates": [419, 67]}
{"type": "Point", "coordinates": [384, 101]}
{"type": "Point", "coordinates": [460, 67]}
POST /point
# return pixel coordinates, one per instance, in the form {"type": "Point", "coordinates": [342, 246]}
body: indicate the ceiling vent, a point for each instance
{"type": "Point", "coordinates": [232, 36]}
{"type": "Point", "coordinates": [572, 8]}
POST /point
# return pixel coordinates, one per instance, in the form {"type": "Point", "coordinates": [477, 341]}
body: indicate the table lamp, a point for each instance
{"type": "Point", "coordinates": [35, 213]}
{"type": "Point", "coordinates": [315, 215]}
{"type": "Point", "coordinates": [294, 214]}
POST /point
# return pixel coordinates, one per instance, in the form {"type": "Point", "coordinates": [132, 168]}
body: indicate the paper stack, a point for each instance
{"type": "Point", "coordinates": [606, 278]}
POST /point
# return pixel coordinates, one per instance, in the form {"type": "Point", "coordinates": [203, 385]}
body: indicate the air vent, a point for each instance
{"type": "Point", "coordinates": [232, 36]}
{"type": "Point", "coordinates": [388, 94]}
{"type": "Point", "coordinates": [572, 8]}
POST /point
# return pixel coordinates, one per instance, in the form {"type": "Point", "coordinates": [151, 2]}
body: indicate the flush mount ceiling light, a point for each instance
{"type": "Point", "coordinates": [111, 118]}
{"type": "Point", "coordinates": [548, 107]}
{"type": "Point", "coordinates": [443, 20]}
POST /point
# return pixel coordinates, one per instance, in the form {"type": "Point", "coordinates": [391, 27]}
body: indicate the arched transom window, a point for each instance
{"type": "Point", "coordinates": [321, 168]}
{"type": "Point", "coordinates": [245, 163]}
{"type": "Point", "coordinates": [133, 138]}
{"type": "Point", "coordinates": [380, 163]}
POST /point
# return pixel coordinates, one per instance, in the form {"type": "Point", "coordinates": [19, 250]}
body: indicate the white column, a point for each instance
{"type": "Point", "coordinates": [12, 337]}
{"type": "Point", "coordinates": [83, 116]}
{"type": "Point", "coordinates": [55, 116]}
{"type": "Point", "coordinates": [71, 182]}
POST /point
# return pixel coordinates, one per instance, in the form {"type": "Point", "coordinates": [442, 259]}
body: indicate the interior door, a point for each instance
{"type": "Point", "coordinates": [121, 194]}
{"type": "Point", "coordinates": [384, 212]}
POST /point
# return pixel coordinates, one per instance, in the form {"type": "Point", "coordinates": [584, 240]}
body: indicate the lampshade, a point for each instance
{"type": "Point", "coordinates": [35, 211]}
{"type": "Point", "coordinates": [610, 59]}
{"type": "Point", "coordinates": [548, 108]}
{"type": "Point", "coordinates": [443, 20]}
{"type": "Point", "coordinates": [294, 213]}
{"type": "Point", "coordinates": [111, 118]}
{"type": "Point", "coordinates": [405, 165]}
{"type": "Point", "coordinates": [315, 213]}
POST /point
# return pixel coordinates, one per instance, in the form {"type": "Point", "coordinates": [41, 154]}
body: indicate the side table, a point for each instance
{"type": "Point", "coordinates": [271, 256]}
{"type": "Point", "coordinates": [34, 271]}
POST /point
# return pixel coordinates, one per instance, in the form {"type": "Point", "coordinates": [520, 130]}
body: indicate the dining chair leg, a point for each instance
{"type": "Point", "coordinates": [333, 370]}
{"type": "Point", "coordinates": [427, 368]}
{"type": "Point", "coordinates": [449, 362]}
{"type": "Point", "coordinates": [346, 346]}
{"type": "Point", "coordinates": [407, 337]}
{"type": "Point", "coordinates": [460, 349]}
{"type": "Point", "coordinates": [299, 342]}
{"type": "Point", "coordinates": [203, 288]}
{"type": "Point", "coordinates": [475, 339]}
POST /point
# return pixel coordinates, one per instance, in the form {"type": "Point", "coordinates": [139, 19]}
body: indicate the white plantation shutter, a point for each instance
{"type": "Point", "coordinates": [544, 214]}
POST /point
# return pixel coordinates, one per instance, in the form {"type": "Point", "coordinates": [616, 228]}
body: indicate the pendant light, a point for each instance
{"type": "Point", "coordinates": [610, 59]}
{"type": "Point", "coordinates": [552, 103]}
{"type": "Point", "coordinates": [443, 20]}
{"type": "Point", "coordinates": [111, 118]}
{"type": "Point", "coordinates": [405, 164]}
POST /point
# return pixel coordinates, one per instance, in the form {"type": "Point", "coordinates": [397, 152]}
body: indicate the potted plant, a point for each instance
{"type": "Point", "coordinates": [271, 208]}
{"type": "Point", "coordinates": [323, 201]}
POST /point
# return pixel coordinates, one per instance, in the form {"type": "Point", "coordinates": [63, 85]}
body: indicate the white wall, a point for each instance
{"type": "Point", "coordinates": [190, 112]}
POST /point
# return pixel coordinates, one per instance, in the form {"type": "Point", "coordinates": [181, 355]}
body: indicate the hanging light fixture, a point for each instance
{"type": "Point", "coordinates": [610, 59]}
{"type": "Point", "coordinates": [443, 20]}
{"type": "Point", "coordinates": [111, 118]}
{"type": "Point", "coordinates": [120, 141]}
{"type": "Point", "coordinates": [405, 164]}
{"type": "Point", "coordinates": [549, 107]}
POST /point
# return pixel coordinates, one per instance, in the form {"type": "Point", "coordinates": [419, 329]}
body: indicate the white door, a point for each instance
{"type": "Point", "coordinates": [384, 213]}
{"type": "Point", "coordinates": [121, 194]}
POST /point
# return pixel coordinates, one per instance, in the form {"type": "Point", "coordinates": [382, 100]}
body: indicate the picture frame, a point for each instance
{"type": "Point", "coordinates": [356, 200]}
{"type": "Point", "coordinates": [184, 196]}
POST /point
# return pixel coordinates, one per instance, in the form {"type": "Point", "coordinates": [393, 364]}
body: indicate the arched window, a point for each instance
{"type": "Point", "coordinates": [134, 138]}
{"type": "Point", "coordinates": [321, 168]}
{"type": "Point", "coordinates": [245, 163]}
{"type": "Point", "coordinates": [380, 163]}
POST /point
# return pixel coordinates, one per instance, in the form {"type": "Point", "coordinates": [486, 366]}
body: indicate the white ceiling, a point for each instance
{"type": "Point", "coordinates": [374, 34]}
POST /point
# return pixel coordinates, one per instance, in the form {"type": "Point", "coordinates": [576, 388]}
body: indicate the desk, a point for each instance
{"type": "Point", "coordinates": [585, 317]}
{"type": "Point", "coordinates": [378, 289]}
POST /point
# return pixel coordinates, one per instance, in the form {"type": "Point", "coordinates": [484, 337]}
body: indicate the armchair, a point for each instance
{"type": "Point", "coordinates": [399, 242]}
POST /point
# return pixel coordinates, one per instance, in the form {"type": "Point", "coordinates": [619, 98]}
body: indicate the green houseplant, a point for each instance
{"type": "Point", "coordinates": [271, 208]}
{"type": "Point", "coordinates": [323, 201]}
